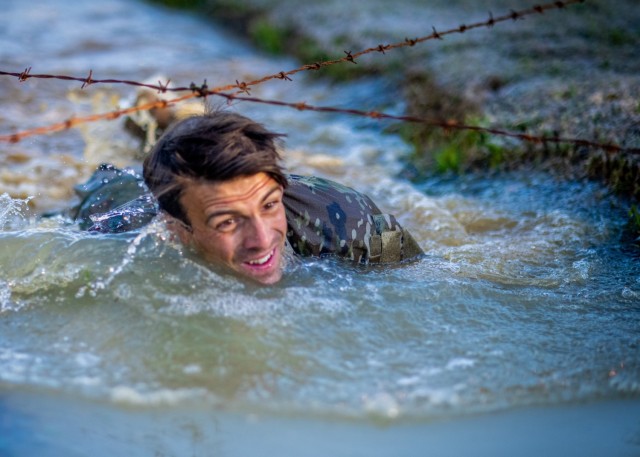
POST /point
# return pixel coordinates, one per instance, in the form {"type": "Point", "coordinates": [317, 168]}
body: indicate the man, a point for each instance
{"type": "Point", "coordinates": [218, 178]}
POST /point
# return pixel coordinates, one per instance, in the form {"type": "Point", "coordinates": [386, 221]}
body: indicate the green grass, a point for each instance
{"type": "Point", "coordinates": [268, 37]}
{"type": "Point", "coordinates": [633, 224]}
{"type": "Point", "coordinates": [181, 4]}
{"type": "Point", "coordinates": [442, 151]}
{"type": "Point", "coordinates": [619, 37]}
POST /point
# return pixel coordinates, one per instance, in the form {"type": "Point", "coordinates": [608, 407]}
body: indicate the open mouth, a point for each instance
{"type": "Point", "coordinates": [265, 269]}
{"type": "Point", "coordinates": [262, 260]}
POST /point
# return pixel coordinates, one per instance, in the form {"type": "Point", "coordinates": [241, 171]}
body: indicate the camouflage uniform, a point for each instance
{"type": "Point", "coordinates": [323, 217]}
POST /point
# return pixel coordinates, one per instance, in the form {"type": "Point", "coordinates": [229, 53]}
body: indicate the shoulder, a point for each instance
{"type": "Point", "coordinates": [325, 217]}
{"type": "Point", "coordinates": [316, 191]}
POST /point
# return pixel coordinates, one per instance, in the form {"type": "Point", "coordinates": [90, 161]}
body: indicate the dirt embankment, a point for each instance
{"type": "Point", "coordinates": [572, 72]}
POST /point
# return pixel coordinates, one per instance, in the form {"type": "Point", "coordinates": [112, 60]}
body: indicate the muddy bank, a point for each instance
{"type": "Point", "coordinates": [572, 72]}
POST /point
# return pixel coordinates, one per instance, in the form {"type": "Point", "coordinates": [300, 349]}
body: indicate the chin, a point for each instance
{"type": "Point", "coordinates": [264, 279]}
{"type": "Point", "coordinates": [270, 279]}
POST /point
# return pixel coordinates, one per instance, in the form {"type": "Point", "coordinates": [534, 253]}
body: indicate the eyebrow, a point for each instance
{"type": "Point", "coordinates": [224, 212]}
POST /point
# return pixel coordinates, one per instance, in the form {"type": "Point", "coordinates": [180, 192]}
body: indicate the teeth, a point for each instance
{"type": "Point", "coordinates": [261, 260]}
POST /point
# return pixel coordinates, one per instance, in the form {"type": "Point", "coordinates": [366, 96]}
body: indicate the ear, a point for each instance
{"type": "Point", "coordinates": [179, 229]}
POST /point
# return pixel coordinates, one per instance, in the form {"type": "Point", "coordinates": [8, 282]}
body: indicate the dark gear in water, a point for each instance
{"type": "Point", "coordinates": [323, 217]}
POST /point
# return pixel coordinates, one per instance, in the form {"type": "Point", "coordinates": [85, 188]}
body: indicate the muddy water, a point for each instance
{"type": "Point", "coordinates": [526, 297]}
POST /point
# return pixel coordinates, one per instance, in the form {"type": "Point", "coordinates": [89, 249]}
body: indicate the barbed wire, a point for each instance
{"type": "Point", "coordinates": [448, 124]}
{"type": "Point", "coordinates": [203, 91]}
{"type": "Point", "coordinates": [285, 75]}
{"type": "Point", "coordinates": [75, 121]}
{"type": "Point", "coordinates": [303, 106]}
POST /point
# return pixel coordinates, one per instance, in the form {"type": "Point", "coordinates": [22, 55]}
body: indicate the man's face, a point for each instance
{"type": "Point", "coordinates": [239, 223]}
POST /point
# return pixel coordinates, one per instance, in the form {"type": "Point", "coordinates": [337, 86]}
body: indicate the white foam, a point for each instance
{"type": "Point", "coordinates": [161, 397]}
{"type": "Point", "coordinates": [460, 363]}
{"type": "Point", "coordinates": [381, 404]}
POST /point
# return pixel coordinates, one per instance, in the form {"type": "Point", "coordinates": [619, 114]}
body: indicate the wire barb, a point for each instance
{"type": "Point", "coordinates": [491, 22]}
{"type": "Point", "coordinates": [516, 15]}
{"type": "Point", "coordinates": [350, 57]}
{"type": "Point", "coordinates": [87, 81]}
{"type": "Point", "coordinates": [162, 88]}
{"type": "Point", "coordinates": [243, 87]}
{"type": "Point", "coordinates": [200, 91]}
{"type": "Point", "coordinates": [24, 75]}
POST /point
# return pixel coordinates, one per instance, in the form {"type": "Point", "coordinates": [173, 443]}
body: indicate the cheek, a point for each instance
{"type": "Point", "coordinates": [281, 223]}
{"type": "Point", "coordinates": [214, 248]}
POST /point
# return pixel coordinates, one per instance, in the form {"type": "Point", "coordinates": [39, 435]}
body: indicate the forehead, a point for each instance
{"type": "Point", "coordinates": [240, 190]}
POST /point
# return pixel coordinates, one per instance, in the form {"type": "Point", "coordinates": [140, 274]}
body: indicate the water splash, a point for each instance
{"type": "Point", "coordinates": [6, 304]}
{"type": "Point", "coordinates": [153, 237]}
{"type": "Point", "coordinates": [14, 212]}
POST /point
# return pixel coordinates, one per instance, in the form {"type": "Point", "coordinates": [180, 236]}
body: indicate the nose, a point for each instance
{"type": "Point", "coordinates": [257, 236]}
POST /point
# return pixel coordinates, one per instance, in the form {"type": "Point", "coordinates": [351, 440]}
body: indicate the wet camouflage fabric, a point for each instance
{"type": "Point", "coordinates": [114, 200]}
{"type": "Point", "coordinates": [323, 217]}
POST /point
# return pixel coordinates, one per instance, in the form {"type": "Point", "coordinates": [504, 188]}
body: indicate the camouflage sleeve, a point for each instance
{"type": "Point", "coordinates": [113, 200]}
{"type": "Point", "coordinates": [325, 217]}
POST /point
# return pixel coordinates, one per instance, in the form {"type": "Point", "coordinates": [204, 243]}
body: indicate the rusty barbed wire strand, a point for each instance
{"type": "Point", "coordinates": [448, 124]}
{"type": "Point", "coordinates": [286, 75]}
{"type": "Point", "coordinates": [89, 80]}
{"type": "Point", "coordinates": [75, 121]}
{"type": "Point", "coordinates": [382, 48]}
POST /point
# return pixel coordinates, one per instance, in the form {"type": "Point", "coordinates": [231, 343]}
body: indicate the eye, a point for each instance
{"type": "Point", "coordinates": [226, 225]}
{"type": "Point", "coordinates": [271, 205]}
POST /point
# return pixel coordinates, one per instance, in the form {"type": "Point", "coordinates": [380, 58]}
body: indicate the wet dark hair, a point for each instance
{"type": "Point", "coordinates": [209, 148]}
